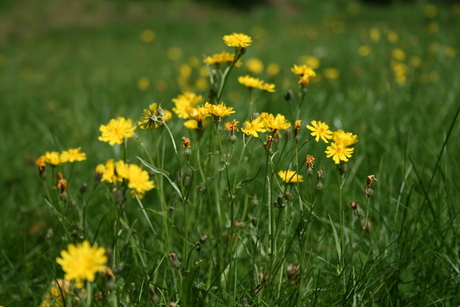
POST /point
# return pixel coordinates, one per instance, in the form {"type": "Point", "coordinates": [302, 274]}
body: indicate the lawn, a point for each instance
{"type": "Point", "coordinates": [224, 225]}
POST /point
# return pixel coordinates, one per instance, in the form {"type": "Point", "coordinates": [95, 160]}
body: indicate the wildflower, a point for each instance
{"type": "Point", "coordinates": [218, 110]}
{"type": "Point", "coordinates": [57, 292]}
{"type": "Point", "coordinates": [368, 190]}
{"type": "Point", "coordinates": [72, 155]}
{"type": "Point", "coordinates": [303, 70]}
{"type": "Point", "coordinates": [297, 127]}
{"type": "Point", "coordinates": [223, 57]}
{"type": "Point", "coordinates": [250, 82]}
{"type": "Point", "coordinates": [290, 176]}
{"type": "Point", "coordinates": [53, 157]}
{"type": "Point", "coordinates": [364, 50]}
{"type": "Point", "coordinates": [374, 34]}
{"type": "Point", "coordinates": [147, 36]}
{"type": "Point", "coordinates": [191, 124]}
{"type": "Point", "coordinates": [398, 54]}
{"type": "Point", "coordinates": [117, 130]}
{"type": "Point", "coordinates": [273, 69]}
{"type": "Point", "coordinates": [311, 61]}
{"type": "Point", "coordinates": [107, 172]}
{"type": "Point", "coordinates": [154, 117]}
{"type": "Point", "coordinates": [339, 152]}
{"type": "Point", "coordinates": [319, 175]}
{"type": "Point", "coordinates": [184, 103]}
{"type": "Point", "coordinates": [331, 73]}
{"type": "Point", "coordinates": [269, 142]}
{"type": "Point", "coordinates": [274, 123]}
{"type": "Point", "coordinates": [253, 127]}
{"type": "Point", "coordinates": [255, 66]}
{"type": "Point", "coordinates": [237, 40]}
{"type": "Point", "coordinates": [344, 138]}
{"type": "Point", "coordinates": [174, 261]}
{"type": "Point", "coordinates": [392, 37]}
{"type": "Point", "coordinates": [82, 262]}
{"type": "Point", "coordinates": [198, 114]}
{"type": "Point", "coordinates": [143, 83]}
{"type": "Point", "coordinates": [310, 163]}
{"type": "Point", "coordinates": [41, 163]}
{"type": "Point", "coordinates": [267, 87]}
{"type": "Point", "coordinates": [138, 179]}
{"type": "Point", "coordinates": [320, 130]}
{"type": "Point", "coordinates": [61, 184]}
{"type": "Point", "coordinates": [231, 126]}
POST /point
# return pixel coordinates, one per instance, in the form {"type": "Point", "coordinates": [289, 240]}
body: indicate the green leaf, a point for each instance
{"type": "Point", "coordinates": [165, 174]}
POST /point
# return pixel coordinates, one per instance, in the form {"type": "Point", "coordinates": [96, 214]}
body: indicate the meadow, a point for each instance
{"type": "Point", "coordinates": [154, 158]}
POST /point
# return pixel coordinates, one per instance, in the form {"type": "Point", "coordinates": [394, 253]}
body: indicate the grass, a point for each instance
{"type": "Point", "coordinates": [61, 80]}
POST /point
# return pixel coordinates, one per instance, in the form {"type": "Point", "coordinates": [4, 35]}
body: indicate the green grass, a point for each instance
{"type": "Point", "coordinates": [60, 81]}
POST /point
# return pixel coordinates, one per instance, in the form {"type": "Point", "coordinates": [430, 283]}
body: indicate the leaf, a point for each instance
{"type": "Point", "coordinates": [165, 174]}
{"type": "Point", "coordinates": [243, 183]}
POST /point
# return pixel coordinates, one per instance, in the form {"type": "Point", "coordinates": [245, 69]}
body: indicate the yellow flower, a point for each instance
{"type": "Point", "coordinates": [53, 157]}
{"type": "Point", "coordinates": [338, 152]}
{"type": "Point", "coordinates": [255, 65]}
{"type": "Point", "coordinates": [73, 155]}
{"type": "Point", "coordinates": [154, 117]}
{"type": "Point", "coordinates": [303, 70]}
{"type": "Point", "coordinates": [219, 110]}
{"type": "Point", "coordinates": [311, 61]}
{"type": "Point", "coordinates": [107, 172]}
{"type": "Point", "coordinates": [250, 81]}
{"type": "Point", "coordinates": [331, 73]}
{"type": "Point", "coordinates": [344, 138]}
{"type": "Point", "coordinates": [219, 58]}
{"type": "Point", "coordinates": [364, 50]}
{"type": "Point", "coordinates": [430, 11]}
{"type": "Point", "coordinates": [81, 262]}
{"type": "Point", "coordinates": [267, 87]}
{"type": "Point", "coordinates": [392, 37]}
{"type": "Point", "coordinates": [147, 36]}
{"type": "Point", "coordinates": [138, 179]}
{"type": "Point", "coordinates": [237, 40]}
{"type": "Point", "coordinates": [398, 54]}
{"type": "Point", "coordinates": [290, 176]}
{"type": "Point", "coordinates": [116, 130]}
{"type": "Point", "coordinates": [374, 34]}
{"type": "Point", "coordinates": [273, 123]}
{"type": "Point", "coordinates": [273, 69]}
{"type": "Point", "coordinates": [185, 102]}
{"type": "Point", "coordinates": [41, 163]}
{"type": "Point", "coordinates": [143, 83]}
{"type": "Point", "coordinates": [58, 291]}
{"type": "Point", "coordinates": [320, 130]}
{"type": "Point", "coordinates": [253, 127]}
{"type": "Point", "coordinates": [199, 113]}
{"type": "Point", "coordinates": [191, 124]}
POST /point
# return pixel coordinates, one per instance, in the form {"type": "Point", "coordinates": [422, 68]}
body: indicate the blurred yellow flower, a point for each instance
{"type": "Point", "coordinates": [53, 157]}
{"type": "Point", "coordinates": [267, 87]}
{"type": "Point", "coordinates": [58, 291]}
{"type": "Point", "coordinates": [250, 82]}
{"type": "Point", "coordinates": [450, 52]}
{"type": "Point", "coordinates": [311, 61]}
{"type": "Point", "coordinates": [148, 36]}
{"type": "Point", "coordinates": [273, 69]}
{"type": "Point", "coordinates": [374, 34]}
{"type": "Point", "coordinates": [254, 65]}
{"type": "Point", "coordinates": [392, 37]}
{"type": "Point", "coordinates": [143, 83]}
{"type": "Point", "coordinates": [290, 176]}
{"type": "Point", "coordinates": [174, 53]}
{"type": "Point", "coordinates": [398, 54]}
{"type": "Point", "coordinates": [364, 50]}
{"type": "Point", "coordinates": [303, 70]}
{"type": "Point", "coordinates": [72, 155]}
{"type": "Point", "coordinates": [331, 73]}
{"type": "Point", "coordinates": [223, 57]}
{"type": "Point", "coordinates": [81, 262]}
{"type": "Point", "coordinates": [430, 11]}
{"type": "Point", "coordinates": [184, 103]}
{"type": "Point", "coordinates": [117, 130]}
{"type": "Point", "coordinates": [41, 163]}
{"type": "Point", "coordinates": [415, 61]}
{"type": "Point", "coordinates": [107, 172]}
{"type": "Point", "coordinates": [237, 40]}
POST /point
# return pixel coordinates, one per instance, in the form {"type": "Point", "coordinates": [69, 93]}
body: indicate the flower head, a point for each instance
{"type": "Point", "coordinates": [219, 58]}
{"type": "Point", "coordinates": [116, 130]}
{"type": "Point", "coordinates": [82, 261]}
{"type": "Point", "coordinates": [303, 70]}
{"type": "Point", "coordinates": [273, 123]}
{"type": "Point", "coordinates": [253, 127]}
{"type": "Point", "coordinates": [41, 163]}
{"type": "Point", "coordinates": [267, 87]}
{"type": "Point", "coordinates": [344, 138]}
{"type": "Point", "coordinates": [154, 117]}
{"type": "Point", "coordinates": [53, 157]}
{"type": "Point", "coordinates": [199, 114]}
{"type": "Point", "coordinates": [72, 155]}
{"type": "Point", "coordinates": [219, 110]}
{"type": "Point", "coordinates": [107, 172]}
{"type": "Point", "coordinates": [320, 130]}
{"type": "Point", "coordinates": [290, 176]}
{"type": "Point", "coordinates": [237, 40]}
{"type": "Point", "coordinates": [185, 102]}
{"type": "Point", "coordinates": [339, 152]}
{"type": "Point", "coordinates": [250, 82]}
{"type": "Point", "coordinates": [138, 179]}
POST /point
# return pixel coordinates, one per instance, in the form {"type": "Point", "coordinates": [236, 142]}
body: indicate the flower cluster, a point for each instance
{"type": "Point", "coordinates": [252, 82]}
{"type": "Point", "coordinates": [265, 122]}
{"type": "Point", "coordinates": [137, 178]}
